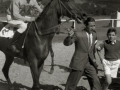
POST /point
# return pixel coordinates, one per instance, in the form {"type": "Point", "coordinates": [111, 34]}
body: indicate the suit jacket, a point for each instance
{"type": "Point", "coordinates": [82, 52]}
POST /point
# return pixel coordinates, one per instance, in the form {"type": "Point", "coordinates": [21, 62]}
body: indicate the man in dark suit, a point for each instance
{"type": "Point", "coordinates": [83, 60]}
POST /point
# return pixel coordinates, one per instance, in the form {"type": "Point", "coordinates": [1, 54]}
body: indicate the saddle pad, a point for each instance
{"type": "Point", "coordinates": [7, 32]}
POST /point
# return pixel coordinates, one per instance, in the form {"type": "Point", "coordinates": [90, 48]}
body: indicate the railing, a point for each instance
{"type": "Point", "coordinates": [73, 23]}
{"type": "Point", "coordinates": [113, 20]}
{"type": "Point", "coordinates": [112, 24]}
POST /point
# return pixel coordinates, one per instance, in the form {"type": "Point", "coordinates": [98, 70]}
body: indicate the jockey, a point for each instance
{"type": "Point", "coordinates": [16, 16]}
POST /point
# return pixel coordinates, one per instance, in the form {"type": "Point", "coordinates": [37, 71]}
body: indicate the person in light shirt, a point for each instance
{"type": "Point", "coordinates": [111, 59]}
{"type": "Point", "coordinates": [18, 15]}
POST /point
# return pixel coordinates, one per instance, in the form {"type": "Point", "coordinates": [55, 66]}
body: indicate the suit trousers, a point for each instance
{"type": "Point", "coordinates": [91, 74]}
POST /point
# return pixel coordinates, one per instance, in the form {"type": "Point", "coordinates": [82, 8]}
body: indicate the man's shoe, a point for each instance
{"type": "Point", "coordinates": [13, 49]}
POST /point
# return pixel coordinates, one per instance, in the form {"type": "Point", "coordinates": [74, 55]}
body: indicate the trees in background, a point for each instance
{"type": "Point", "coordinates": [90, 8]}
{"type": "Point", "coordinates": [97, 9]}
{"type": "Point", "coordinates": [4, 5]}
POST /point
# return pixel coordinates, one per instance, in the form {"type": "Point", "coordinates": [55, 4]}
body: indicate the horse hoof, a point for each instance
{"type": "Point", "coordinates": [51, 70]}
{"type": "Point", "coordinates": [36, 87]}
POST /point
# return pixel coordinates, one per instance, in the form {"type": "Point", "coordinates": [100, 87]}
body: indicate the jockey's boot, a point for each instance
{"type": "Point", "coordinates": [12, 47]}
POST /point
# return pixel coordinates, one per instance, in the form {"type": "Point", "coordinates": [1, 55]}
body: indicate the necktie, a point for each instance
{"type": "Point", "coordinates": [89, 41]}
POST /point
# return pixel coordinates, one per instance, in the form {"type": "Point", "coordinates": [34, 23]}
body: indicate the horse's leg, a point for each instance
{"type": "Point", "coordinates": [35, 74]}
{"type": "Point", "coordinates": [40, 69]}
{"type": "Point", "coordinates": [5, 70]}
{"type": "Point", "coordinates": [52, 57]}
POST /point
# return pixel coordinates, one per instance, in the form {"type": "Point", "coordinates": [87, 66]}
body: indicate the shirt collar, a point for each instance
{"type": "Point", "coordinates": [88, 33]}
{"type": "Point", "coordinates": [112, 42]}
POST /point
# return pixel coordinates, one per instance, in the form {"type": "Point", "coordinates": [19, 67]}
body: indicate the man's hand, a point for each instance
{"type": "Point", "coordinates": [31, 19]}
{"type": "Point", "coordinates": [94, 61]}
{"type": "Point", "coordinates": [70, 32]}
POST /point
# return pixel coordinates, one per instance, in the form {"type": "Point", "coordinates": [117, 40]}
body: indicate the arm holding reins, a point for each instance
{"type": "Point", "coordinates": [71, 38]}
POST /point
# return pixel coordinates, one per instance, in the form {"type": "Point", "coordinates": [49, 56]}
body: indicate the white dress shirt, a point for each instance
{"type": "Point", "coordinates": [91, 38]}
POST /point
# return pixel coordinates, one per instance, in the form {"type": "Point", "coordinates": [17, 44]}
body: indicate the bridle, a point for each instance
{"type": "Point", "coordinates": [56, 26]}
{"type": "Point", "coordinates": [40, 33]}
{"type": "Point", "coordinates": [62, 4]}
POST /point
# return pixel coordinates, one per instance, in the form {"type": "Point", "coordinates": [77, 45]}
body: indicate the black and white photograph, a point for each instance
{"type": "Point", "coordinates": [59, 44]}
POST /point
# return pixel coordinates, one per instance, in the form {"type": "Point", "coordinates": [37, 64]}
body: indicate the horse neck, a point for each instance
{"type": "Point", "coordinates": [48, 21]}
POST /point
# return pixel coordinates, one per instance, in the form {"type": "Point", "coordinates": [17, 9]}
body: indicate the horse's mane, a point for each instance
{"type": "Point", "coordinates": [69, 3]}
{"type": "Point", "coordinates": [48, 5]}
{"type": "Point", "coordinates": [44, 11]}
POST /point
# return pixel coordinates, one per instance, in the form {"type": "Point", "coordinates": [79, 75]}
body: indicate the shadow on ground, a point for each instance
{"type": "Point", "coordinates": [65, 68]}
{"type": "Point", "coordinates": [78, 87]}
{"type": "Point", "coordinates": [5, 86]}
{"type": "Point", "coordinates": [115, 83]}
{"type": "Point", "coordinates": [50, 87]}
{"type": "Point", "coordinates": [17, 86]}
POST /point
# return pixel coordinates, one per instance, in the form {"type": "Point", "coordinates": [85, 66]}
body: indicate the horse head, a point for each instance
{"type": "Point", "coordinates": [67, 8]}
{"type": "Point", "coordinates": [71, 9]}
{"type": "Point", "coordinates": [57, 8]}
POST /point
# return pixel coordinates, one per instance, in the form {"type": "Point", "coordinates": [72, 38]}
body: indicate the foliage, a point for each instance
{"type": "Point", "coordinates": [100, 9]}
{"type": "Point", "coordinates": [4, 6]}
{"type": "Point", "coordinates": [94, 7]}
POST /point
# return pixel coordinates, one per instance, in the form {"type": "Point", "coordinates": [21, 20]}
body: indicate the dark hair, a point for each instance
{"type": "Point", "coordinates": [111, 30]}
{"type": "Point", "coordinates": [89, 19]}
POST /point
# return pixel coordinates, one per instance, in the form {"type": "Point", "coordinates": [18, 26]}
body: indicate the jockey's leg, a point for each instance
{"type": "Point", "coordinates": [12, 47]}
{"type": "Point", "coordinates": [21, 28]}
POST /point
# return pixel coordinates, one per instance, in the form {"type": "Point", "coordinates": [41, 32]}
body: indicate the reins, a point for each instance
{"type": "Point", "coordinates": [39, 31]}
{"type": "Point", "coordinates": [26, 35]}
{"type": "Point", "coordinates": [60, 3]}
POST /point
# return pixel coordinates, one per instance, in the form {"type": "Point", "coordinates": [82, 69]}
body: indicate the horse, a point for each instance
{"type": "Point", "coordinates": [38, 39]}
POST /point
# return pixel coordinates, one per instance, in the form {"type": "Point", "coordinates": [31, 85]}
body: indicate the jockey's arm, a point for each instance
{"type": "Point", "coordinates": [16, 12]}
{"type": "Point", "coordinates": [39, 7]}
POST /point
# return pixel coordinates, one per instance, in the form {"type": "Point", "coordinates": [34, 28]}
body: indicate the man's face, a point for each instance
{"type": "Point", "coordinates": [111, 36]}
{"type": "Point", "coordinates": [90, 26]}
